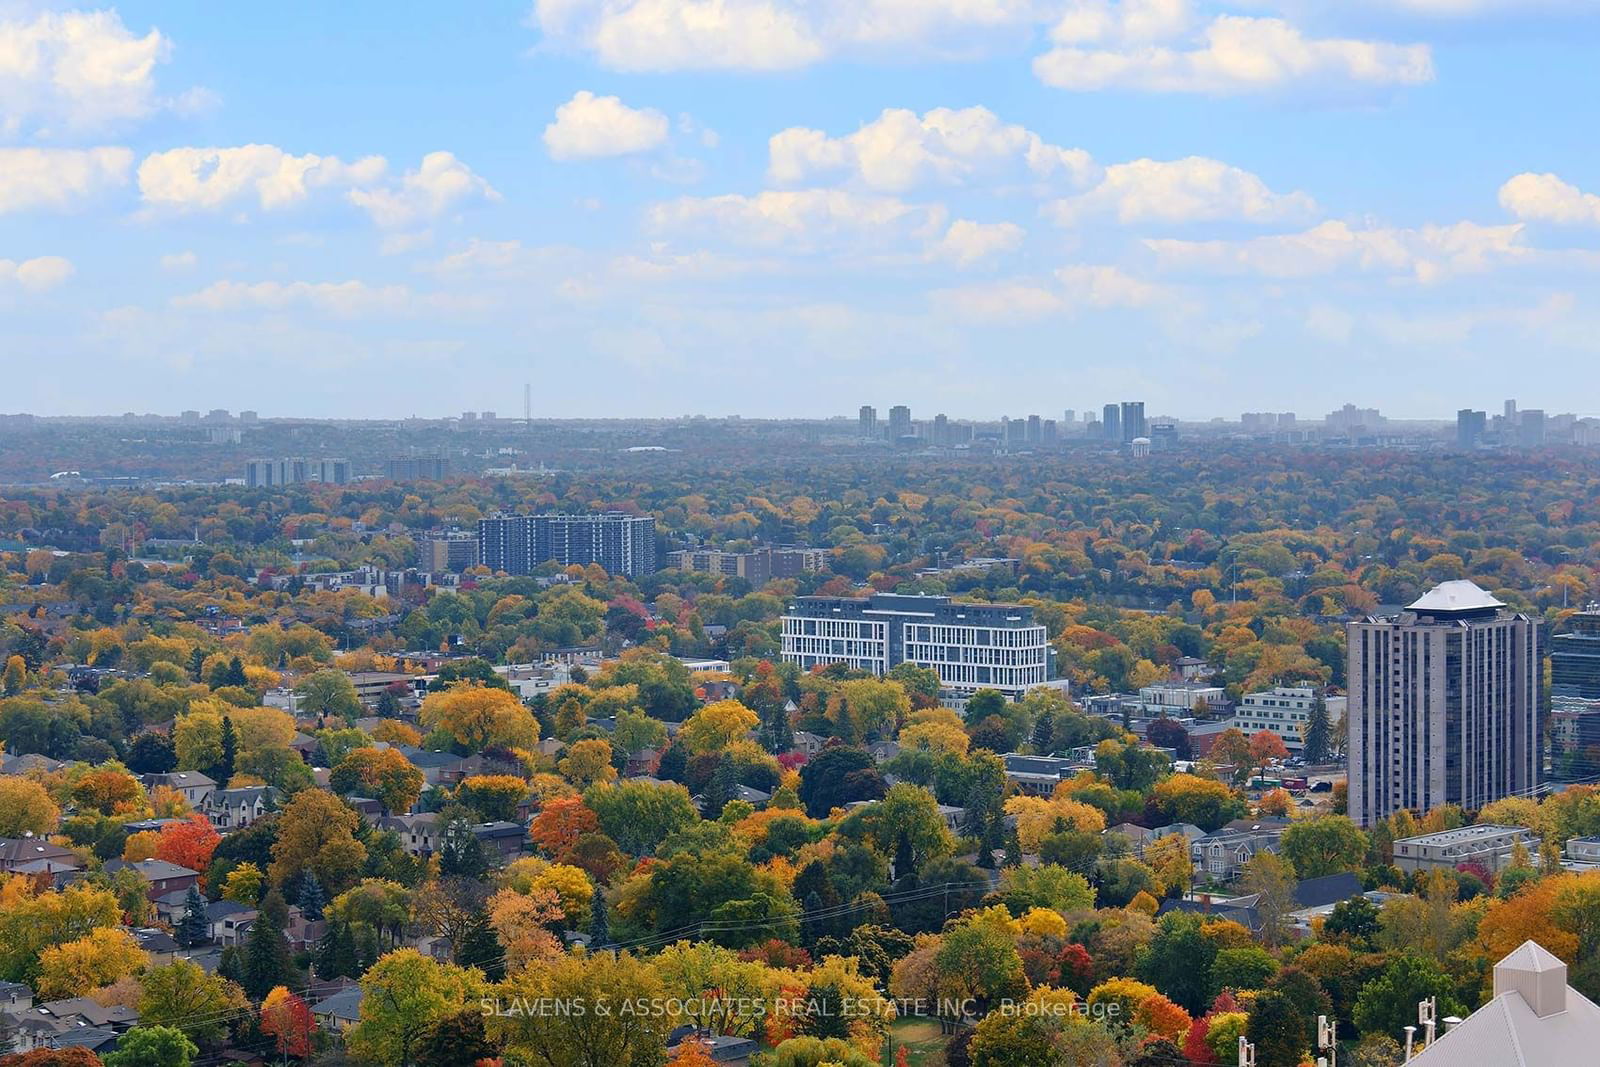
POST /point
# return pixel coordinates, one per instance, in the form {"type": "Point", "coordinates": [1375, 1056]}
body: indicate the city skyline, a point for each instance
{"type": "Point", "coordinates": [940, 204]}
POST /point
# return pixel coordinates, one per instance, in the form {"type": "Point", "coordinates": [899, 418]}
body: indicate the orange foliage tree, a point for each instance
{"type": "Point", "coordinates": [558, 827]}
{"type": "Point", "coordinates": [189, 843]}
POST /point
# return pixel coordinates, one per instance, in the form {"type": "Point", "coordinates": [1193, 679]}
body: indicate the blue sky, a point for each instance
{"type": "Point", "coordinates": [792, 207]}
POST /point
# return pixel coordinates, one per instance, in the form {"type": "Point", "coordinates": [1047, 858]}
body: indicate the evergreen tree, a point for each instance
{"type": "Point", "coordinates": [388, 705]}
{"type": "Point", "coordinates": [719, 790]}
{"type": "Point", "coordinates": [461, 854]}
{"type": "Point", "coordinates": [674, 764]}
{"type": "Point", "coordinates": [223, 771]}
{"type": "Point", "coordinates": [197, 664]}
{"type": "Point", "coordinates": [312, 899]}
{"type": "Point", "coordinates": [236, 675]}
{"type": "Point", "coordinates": [599, 925]}
{"type": "Point", "coordinates": [266, 960]}
{"type": "Point", "coordinates": [481, 948]}
{"type": "Point", "coordinates": [1013, 847]}
{"type": "Point", "coordinates": [193, 927]}
{"type": "Point", "coordinates": [336, 953]}
{"type": "Point", "coordinates": [1319, 733]}
{"type": "Point", "coordinates": [1044, 732]}
{"type": "Point", "coordinates": [904, 858]}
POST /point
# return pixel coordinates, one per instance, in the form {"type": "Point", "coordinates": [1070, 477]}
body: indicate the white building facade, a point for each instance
{"type": "Point", "coordinates": [1285, 710]}
{"type": "Point", "coordinates": [969, 646]}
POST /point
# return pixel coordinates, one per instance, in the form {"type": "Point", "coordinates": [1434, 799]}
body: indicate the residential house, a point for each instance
{"type": "Point", "coordinates": [194, 786]}
{"type": "Point", "coordinates": [339, 1012]}
{"type": "Point", "coordinates": [232, 809]}
{"type": "Point", "coordinates": [28, 761]}
{"type": "Point", "coordinates": [163, 878]}
{"type": "Point", "coordinates": [1220, 855]}
{"type": "Point", "coordinates": [419, 833]}
{"type": "Point", "coordinates": [39, 859]}
{"type": "Point", "coordinates": [501, 841]}
{"type": "Point", "coordinates": [229, 921]}
{"type": "Point", "coordinates": [806, 743]}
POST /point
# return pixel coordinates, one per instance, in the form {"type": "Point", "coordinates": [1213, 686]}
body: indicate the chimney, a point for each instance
{"type": "Point", "coordinates": [1538, 976]}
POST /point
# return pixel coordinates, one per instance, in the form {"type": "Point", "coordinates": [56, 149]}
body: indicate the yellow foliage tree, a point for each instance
{"type": "Point", "coordinates": [478, 717]}
{"type": "Point", "coordinates": [588, 762]}
{"type": "Point", "coordinates": [98, 959]}
{"type": "Point", "coordinates": [716, 726]}
{"type": "Point", "coordinates": [1038, 816]}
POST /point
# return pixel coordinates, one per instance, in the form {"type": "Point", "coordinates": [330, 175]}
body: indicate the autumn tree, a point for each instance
{"type": "Point", "coordinates": [381, 773]}
{"type": "Point", "coordinates": [98, 959]}
{"type": "Point", "coordinates": [477, 717]}
{"type": "Point", "coordinates": [189, 843]}
{"type": "Point", "coordinates": [562, 822]}
{"type": "Point", "coordinates": [316, 831]}
{"type": "Point", "coordinates": [26, 808]}
{"type": "Point", "coordinates": [287, 1020]}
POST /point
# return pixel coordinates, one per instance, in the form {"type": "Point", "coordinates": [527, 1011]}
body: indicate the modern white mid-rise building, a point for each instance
{"type": "Point", "coordinates": [1443, 705]}
{"type": "Point", "coordinates": [970, 646]}
{"type": "Point", "coordinates": [1285, 710]}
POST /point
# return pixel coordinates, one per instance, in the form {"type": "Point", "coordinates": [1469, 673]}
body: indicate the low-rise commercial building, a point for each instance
{"type": "Point", "coordinates": [1485, 844]}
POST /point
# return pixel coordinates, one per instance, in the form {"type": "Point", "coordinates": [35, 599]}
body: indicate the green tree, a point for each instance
{"type": "Point", "coordinates": [1178, 962]}
{"type": "Point", "coordinates": [267, 961]}
{"type": "Point", "coordinates": [638, 816]}
{"type": "Point", "coordinates": [328, 692]}
{"type": "Point", "coordinates": [1272, 880]}
{"type": "Point", "coordinates": [613, 1038]}
{"type": "Point", "coordinates": [193, 927]}
{"type": "Point", "coordinates": [1318, 734]}
{"type": "Point", "coordinates": [153, 1046]}
{"type": "Point", "coordinates": [1243, 967]}
{"type": "Point", "coordinates": [404, 995]}
{"type": "Point", "coordinates": [1323, 846]}
{"type": "Point", "coordinates": [182, 994]}
{"type": "Point", "coordinates": [1279, 1032]}
{"type": "Point", "coordinates": [1389, 1003]}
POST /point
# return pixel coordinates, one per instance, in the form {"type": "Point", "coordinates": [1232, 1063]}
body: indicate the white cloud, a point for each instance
{"type": "Point", "coordinates": [1195, 189]}
{"type": "Point", "coordinates": [58, 177]}
{"type": "Point", "coordinates": [590, 127]}
{"type": "Point", "coordinates": [210, 179]}
{"type": "Point", "coordinates": [35, 275]}
{"type": "Point", "coordinates": [801, 220]}
{"type": "Point", "coordinates": [75, 70]}
{"type": "Point", "coordinates": [179, 260]}
{"type": "Point", "coordinates": [900, 150]}
{"type": "Point", "coordinates": [343, 299]}
{"type": "Point", "coordinates": [1097, 287]}
{"type": "Point", "coordinates": [769, 35]}
{"type": "Point", "coordinates": [1546, 198]}
{"type": "Point", "coordinates": [1002, 302]}
{"type": "Point", "coordinates": [967, 243]}
{"type": "Point", "coordinates": [439, 184]}
{"type": "Point", "coordinates": [1162, 46]}
{"type": "Point", "coordinates": [1108, 287]}
{"type": "Point", "coordinates": [1427, 254]}
{"type": "Point", "coordinates": [206, 179]}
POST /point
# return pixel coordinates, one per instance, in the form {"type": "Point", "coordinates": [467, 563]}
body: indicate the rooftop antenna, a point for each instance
{"type": "Point", "coordinates": [527, 404]}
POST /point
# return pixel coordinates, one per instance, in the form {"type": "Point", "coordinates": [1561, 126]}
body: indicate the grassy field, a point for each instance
{"type": "Point", "coordinates": [923, 1043]}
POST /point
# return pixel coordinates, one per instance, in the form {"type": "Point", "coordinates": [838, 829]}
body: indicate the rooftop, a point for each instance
{"type": "Point", "coordinates": [1462, 834]}
{"type": "Point", "coordinates": [1457, 596]}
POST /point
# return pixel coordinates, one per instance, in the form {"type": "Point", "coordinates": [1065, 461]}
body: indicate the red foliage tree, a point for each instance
{"type": "Point", "coordinates": [189, 843]}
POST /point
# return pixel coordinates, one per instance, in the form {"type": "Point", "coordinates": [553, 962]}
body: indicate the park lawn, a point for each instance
{"type": "Point", "coordinates": [923, 1043]}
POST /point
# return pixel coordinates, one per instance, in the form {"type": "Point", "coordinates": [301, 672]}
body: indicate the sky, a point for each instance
{"type": "Point", "coordinates": [795, 207]}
